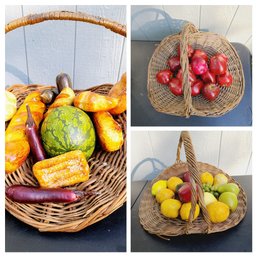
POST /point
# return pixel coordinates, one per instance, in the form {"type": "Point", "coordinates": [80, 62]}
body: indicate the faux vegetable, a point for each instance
{"type": "Point", "coordinates": [65, 98]}
{"type": "Point", "coordinates": [34, 140]}
{"type": "Point", "coordinates": [28, 194]}
{"type": "Point", "coordinates": [94, 102]}
{"type": "Point", "coordinates": [63, 80]}
{"type": "Point", "coordinates": [63, 170]}
{"type": "Point", "coordinates": [108, 130]}
{"type": "Point", "coordinates": [48, 96]}
{"type": "Point", "coordinates": [16, 142]}
{"type": "Point", "coordinates": [119, 91]}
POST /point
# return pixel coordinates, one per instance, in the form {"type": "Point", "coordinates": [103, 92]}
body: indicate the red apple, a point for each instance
{"type": "Point", "coordinates": [199, 65]}
{"type": "Point", "coordinates": [208, 77]}
{"type": "Point", "coordinates": [175, 86]}
{"type": "Point", "coordinates": [196, 87]}
{"type": "Point", "coordinates": [164, 76]}
{"type": "Point", "coordinates": [174, 63]}
{"type": "Point", "coordinates": [210, 91]}
{"type": "Point", "coordinates": [225, 79]}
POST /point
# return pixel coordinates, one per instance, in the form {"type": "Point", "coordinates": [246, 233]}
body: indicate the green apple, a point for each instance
{"type": "Point", "coordinates": [230, 187]}
{"type": "Point", "coordinates": [230, 199]}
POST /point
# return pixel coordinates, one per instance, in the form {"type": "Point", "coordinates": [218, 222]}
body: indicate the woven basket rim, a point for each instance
{"type": "Point", "coordinates": [114, 165]}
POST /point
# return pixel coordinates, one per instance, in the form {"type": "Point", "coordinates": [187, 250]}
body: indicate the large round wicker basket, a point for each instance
{"type": "Point", "coordinates": [164, 101]}
{"type": "Point", "coordinates": [149, 210]}
{"type": "Point", "coordinates": [107, 170]}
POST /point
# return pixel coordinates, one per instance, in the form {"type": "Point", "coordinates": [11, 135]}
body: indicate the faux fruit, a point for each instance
{"type": "Point", "coordinates": [230, 187]}
{"type": "Point", "coordinates": [230, 199]}
{"type": "Point", "coordinates": [199, 65]}
{"type": "Point", "coordinates": [185, 211]}
{"type": "Point", "coordinates": [205, 74]}
{"type": "Point", "coordinates": [186, 176]}
{"type": "Point", "coordinates": [10, 105]}
{"type": "Point", "coordinates": [200, 53]}
{"type": "Point", "coordinates": [208, 77]}
{"type": "Point", "coordinates": [220, 179]}
{"type": "Point", "coordinates": [173, 182]}
{"type": "Point", "coordinates": [175, 86]}
{"type": "Point", "coordinates": [196, 87]}
{"type": "Point", "coordinates": [164, 194]}
{"type": "Point", "coordinates": [218, 64]}
{"type": "Point", "coordinates": [68, 128]}
{"type": "Point", "coordinates": [164, 76]}
{"type": "Point", "coordinates": [210, 91]}
{"type": "Point", "coordinates": [206, 178]}
{"type": "Point", "coordinates": [209, 198]}
{"type": "Point", "coordinates": [225, 79]}
{"type": "Point", "coordinates": [170, 208]}
{"type": "Point", "coordinates": [157, 186]}
{"type": "Point", "coordinates": [185, 192]}
{"type": "Point", "coordinates": [218, 212]}
{"type": "Point", "coordinates": [174, 63]}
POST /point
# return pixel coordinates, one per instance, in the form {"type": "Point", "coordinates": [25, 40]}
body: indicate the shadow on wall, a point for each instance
{"type": "Point", "coordinates": [154, 171]}
{"type": "Point", "coordinates": [17, 73]}
{"type": "Point", "coordinates": [154, 24]}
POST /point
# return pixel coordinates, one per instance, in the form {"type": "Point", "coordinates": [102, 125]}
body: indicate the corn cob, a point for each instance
{"type": "Point", "coordinates": [63, 170]}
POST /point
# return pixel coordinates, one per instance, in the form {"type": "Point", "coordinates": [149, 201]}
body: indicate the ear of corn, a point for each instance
{"type": "Point", "coordinates": [63, 170]}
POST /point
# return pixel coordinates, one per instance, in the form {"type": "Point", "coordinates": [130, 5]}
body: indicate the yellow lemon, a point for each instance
{"type": "Point", "coordinates": [164, 194]}
{"type": "Point", "coordinates": [207, 178]}
{"type": "Point", "coordinates": [220, 179]}
{"type": "Point", "coordinates": [173, 182]}
{"type": "Point", "coordinates": [218, 211]}
{"type": "Point", "coordinates": [185, 211]}
{"type": "Point", "coordinates": [170, 208]}
{"type": "Point", "coordinates": [157, 186]}
{"type": "Point", "coordinates": [10, 105]}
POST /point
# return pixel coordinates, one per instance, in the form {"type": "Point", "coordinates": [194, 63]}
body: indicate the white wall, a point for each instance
{"type": "Point", "coordinates": [90, 54]}
{"type": "Point", "coordinates": [157, 21]}
{"type": "Point", "coordinates": [231, 151]}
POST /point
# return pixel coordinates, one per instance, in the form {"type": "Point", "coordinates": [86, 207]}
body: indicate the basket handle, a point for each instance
{"type": "Point", "coordinates": [195, 180]}
{"type": "Point", "coordinates": [66, 15]}
{"type": "Point", "coordinates": [187, 30]}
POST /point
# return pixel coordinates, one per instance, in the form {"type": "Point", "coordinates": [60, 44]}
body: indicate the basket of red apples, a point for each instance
{"type": "Point", "coordinates": [195, 73]}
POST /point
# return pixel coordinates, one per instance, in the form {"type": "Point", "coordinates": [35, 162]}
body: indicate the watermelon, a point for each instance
{"type": "Point", "coordinates": [68, 128]}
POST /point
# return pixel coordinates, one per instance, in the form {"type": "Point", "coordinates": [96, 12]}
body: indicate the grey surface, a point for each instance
{"type": "Point", "coordinates": [107, 235]}
{"type": "Point", "coordinates": [236, 239]}
{"type": "Point", "coordinates": [143, 114]}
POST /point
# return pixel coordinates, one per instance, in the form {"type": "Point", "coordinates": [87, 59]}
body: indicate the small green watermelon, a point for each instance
{"type": "Point", "coordinates": [68, 128]}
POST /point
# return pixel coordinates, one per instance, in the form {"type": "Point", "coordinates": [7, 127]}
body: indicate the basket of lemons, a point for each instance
{"type": "Point", "coordinates": [191, 197]}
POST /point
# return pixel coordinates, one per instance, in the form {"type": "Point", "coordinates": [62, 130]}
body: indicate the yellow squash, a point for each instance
{"type": "Point", "coordinates": [108, 130]}
{"type": "Point", "coordinates": [119, 91]}
{"type": "Point", "coordinates": [65, 98]}
{"type": "Point", "coordinates": [94, 102]}
{"type": "Point", "coordinates": [16, 144]}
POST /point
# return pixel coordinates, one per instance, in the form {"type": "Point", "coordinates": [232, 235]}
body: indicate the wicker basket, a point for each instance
{"type": "Point", "coordinates": [149, 210]}
{"type": "Point", "coordinates": [107, 170]}
{"type": "Point", "coordinates": [164, 101]}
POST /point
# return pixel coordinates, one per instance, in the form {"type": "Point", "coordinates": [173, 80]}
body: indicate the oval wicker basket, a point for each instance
{"type": "Point", "coordinates": [149, 210]}
{"type": "Point", "coordinates": [164, 101]}
{"type": "Point", "coordinates": [107, 170]}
